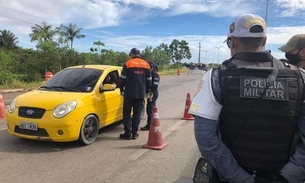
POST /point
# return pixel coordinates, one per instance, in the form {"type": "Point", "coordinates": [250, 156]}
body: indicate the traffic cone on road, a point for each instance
{"type": "Point", "coordinates": [178, 72]}
{"type": "Point", "coordinates": [2, 108]}
{"type": "Point", "coordinates": [188, 102]}
{"type": "Point", "coordinates": [155, 140]}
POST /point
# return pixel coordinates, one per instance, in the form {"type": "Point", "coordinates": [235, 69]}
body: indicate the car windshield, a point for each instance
{"type": "Point", "coordinates": [76, 80]}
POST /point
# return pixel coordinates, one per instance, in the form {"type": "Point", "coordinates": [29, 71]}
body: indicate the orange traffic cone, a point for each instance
{"type": "Point", "coordinates": [178, 72]}
{"type": "Point", "coordinates": [2, 108]}
{"type": "Point", "coordinates": [188, 102]}
{"type": "Point", "coordinates": [155, 136]}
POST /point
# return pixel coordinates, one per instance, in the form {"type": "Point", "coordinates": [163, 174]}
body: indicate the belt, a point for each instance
{"type": "Point", "coordinates": [267, 176]}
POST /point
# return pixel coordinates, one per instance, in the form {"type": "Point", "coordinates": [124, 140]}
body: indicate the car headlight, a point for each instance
{"type": "Point", "coordinates": [12, 106]}
{"type": "Point", "coordinates": [63, 109]}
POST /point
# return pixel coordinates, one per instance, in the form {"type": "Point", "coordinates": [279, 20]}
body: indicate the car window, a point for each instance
{"type": "Point", "coordinates": [112, 78]}
{"type": "Point", "coordinates": [75, 79]}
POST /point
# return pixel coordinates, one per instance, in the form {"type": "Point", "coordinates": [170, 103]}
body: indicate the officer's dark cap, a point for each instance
{"type": "Point", "coordinates": [134, 51]}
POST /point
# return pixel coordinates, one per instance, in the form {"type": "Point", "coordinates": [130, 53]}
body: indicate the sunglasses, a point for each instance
{"type": "Point", "coordinates": [229, 42]}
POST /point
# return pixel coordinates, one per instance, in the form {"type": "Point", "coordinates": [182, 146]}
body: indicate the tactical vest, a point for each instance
{"type": "Point", "coordinates": [258, 119]}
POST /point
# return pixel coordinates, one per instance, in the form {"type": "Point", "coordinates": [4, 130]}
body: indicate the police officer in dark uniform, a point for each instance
{"type": "Point", "coordinates": [249, 125]}
{"type": "Point", "coordinates": [153, 93]}
{"type": "Point", "coordinates": [135, 82]}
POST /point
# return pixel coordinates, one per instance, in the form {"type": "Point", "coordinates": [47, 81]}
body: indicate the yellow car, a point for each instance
{"type": "Point", "coordinates": [72, 105]}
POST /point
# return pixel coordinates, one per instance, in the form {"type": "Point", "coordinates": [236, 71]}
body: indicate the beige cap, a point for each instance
{"type": "Point", "coordinates": [296, 41]}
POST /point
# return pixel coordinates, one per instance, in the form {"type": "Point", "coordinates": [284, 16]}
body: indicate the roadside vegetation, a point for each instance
{"type": "Point", "coordinates": [25, 68]}
{"type": "Point", "coordinates": [16, 84]}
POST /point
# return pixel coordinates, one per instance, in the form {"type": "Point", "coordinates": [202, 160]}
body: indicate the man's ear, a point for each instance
{"type": "Point", "coordinates": [264, 42]}
{"type": "Point", "coordinates": [302, 51]}
{"type": "Point", "coordinates": [233, 43]}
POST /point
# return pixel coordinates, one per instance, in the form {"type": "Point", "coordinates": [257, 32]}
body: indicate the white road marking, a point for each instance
{"type": "Point", "coordinates": [138, 154]}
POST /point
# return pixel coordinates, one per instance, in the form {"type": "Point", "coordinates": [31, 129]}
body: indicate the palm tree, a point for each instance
{"type": "Point", "coordinates": [99, 45]}
{"type": "Point", "coordinates": [8, 40]}
{"type": "Point", "coordinates": [71, 31]}
{"type": "Point", "coordinates": [42, 33]}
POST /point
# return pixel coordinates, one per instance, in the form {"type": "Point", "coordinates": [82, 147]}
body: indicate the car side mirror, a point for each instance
{"type": "Point", "coordinates": [107, 87]}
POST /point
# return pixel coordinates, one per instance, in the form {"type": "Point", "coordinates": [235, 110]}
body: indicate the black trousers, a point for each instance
{"type": "Point", "coordinates": [149, 107]}
{"type": "Point", "coordinates": [131, 125]}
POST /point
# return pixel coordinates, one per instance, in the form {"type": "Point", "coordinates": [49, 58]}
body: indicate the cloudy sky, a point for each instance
{"type": "Point", "coordinates": [124, 24]}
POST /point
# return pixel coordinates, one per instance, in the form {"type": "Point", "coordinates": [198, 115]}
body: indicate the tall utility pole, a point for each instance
{"type": "Point", "coordinates": [206, 56]}
{"type": "Point", "coordinates": [266, 16]}
{"type": "Point", "coordinates": [267, 7]}
{"type": "Point", "coordinates": [199, 53]}
{"type": "Point", "coordinates": [218, 47]}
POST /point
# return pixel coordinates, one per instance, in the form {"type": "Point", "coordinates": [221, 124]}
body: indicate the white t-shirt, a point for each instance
{"type": "Point", "coordinates": [204, 103]}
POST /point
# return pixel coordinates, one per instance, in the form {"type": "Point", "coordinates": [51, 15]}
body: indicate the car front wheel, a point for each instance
{"type": "Point", "coordinates": [89, 130]}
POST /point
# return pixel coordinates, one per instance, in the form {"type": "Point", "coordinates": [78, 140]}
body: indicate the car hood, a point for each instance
{"type": "Point", "coordinates": [48, 99]}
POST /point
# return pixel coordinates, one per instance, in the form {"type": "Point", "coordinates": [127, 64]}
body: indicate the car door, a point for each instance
{"type": "Point", "coordinates": [112, 110]}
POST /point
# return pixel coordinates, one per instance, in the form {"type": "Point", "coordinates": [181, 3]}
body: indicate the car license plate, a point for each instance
{"type": "Point", "coordinates": [28, 125]}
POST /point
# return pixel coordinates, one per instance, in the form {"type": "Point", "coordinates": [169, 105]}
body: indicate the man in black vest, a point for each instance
{"type": "Point", "coordinates": [249, 125]}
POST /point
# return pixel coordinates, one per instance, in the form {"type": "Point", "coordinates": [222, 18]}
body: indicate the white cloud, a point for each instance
{"type": "Point", "coordinates": [19, 15]}
{"type": "Point", "coordinates": [291, 7]}
{"type": "Point", "coordinates": [224, 8]}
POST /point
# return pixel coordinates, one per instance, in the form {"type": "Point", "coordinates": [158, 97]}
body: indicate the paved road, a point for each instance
{"type": "Point", "coordinates": [110, 159]}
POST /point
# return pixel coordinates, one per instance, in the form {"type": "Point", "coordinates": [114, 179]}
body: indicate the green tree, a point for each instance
{"type": "Point", "coordinates": [8, 40]}
{"type": "Point", "coordinates": [71, 32]}
{"type": "Point", "coordinates": [42, 33]}
{"type": "Point", "coordinates": [120, 58]}
{"type": "Point", "coordinates": [99, 50]}
{"type": "Point", "coordinates": [99, 47]}
{"type": "Point", "coordinates": [6, 72]}
{"type": "Point", "coordinates": [179, 50]}
{"type": "Point", "coordinates": [28, 65]}
{"type": "Point", "coordinates": [111, 57]}
{"type": "Point", "coordinates": [61, 44]}
{"type": "Point", "coordinates": [147, 53]}
{"type": "Point", "coordinates": [161, 55]}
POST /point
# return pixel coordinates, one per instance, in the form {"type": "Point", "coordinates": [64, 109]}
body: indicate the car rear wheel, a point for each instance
{"type": "Point", "coordinates": [89, 130]}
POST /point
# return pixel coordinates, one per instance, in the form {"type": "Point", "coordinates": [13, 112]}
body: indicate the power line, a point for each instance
{"type": "Point", "coordinates": [20, 12]}
{"type": "Point", "coordinates": [19, 20]}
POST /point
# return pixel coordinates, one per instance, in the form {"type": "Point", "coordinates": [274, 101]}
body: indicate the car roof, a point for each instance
{"type": "Point", "coordinates": [101, 67]}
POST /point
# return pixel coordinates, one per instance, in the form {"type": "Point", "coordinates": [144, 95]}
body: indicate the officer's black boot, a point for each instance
{"type": "Point", "coordinates": [146, 127]}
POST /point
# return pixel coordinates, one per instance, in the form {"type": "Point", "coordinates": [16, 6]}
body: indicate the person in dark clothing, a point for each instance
{"type": "Point", "coordinates": [112, 79]}
{"type": "Point", "coordinates": [249, 113]}
{"type": "Point", "coordinates": [135, 82]}
{"type": "Point", "coordinates": [153, 93]}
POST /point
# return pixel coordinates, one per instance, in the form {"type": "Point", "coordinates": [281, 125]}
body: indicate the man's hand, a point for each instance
{"type": "Point", "coordinates": [150, 96]}
{"type": "Point", "coordinates": [122, 94]}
